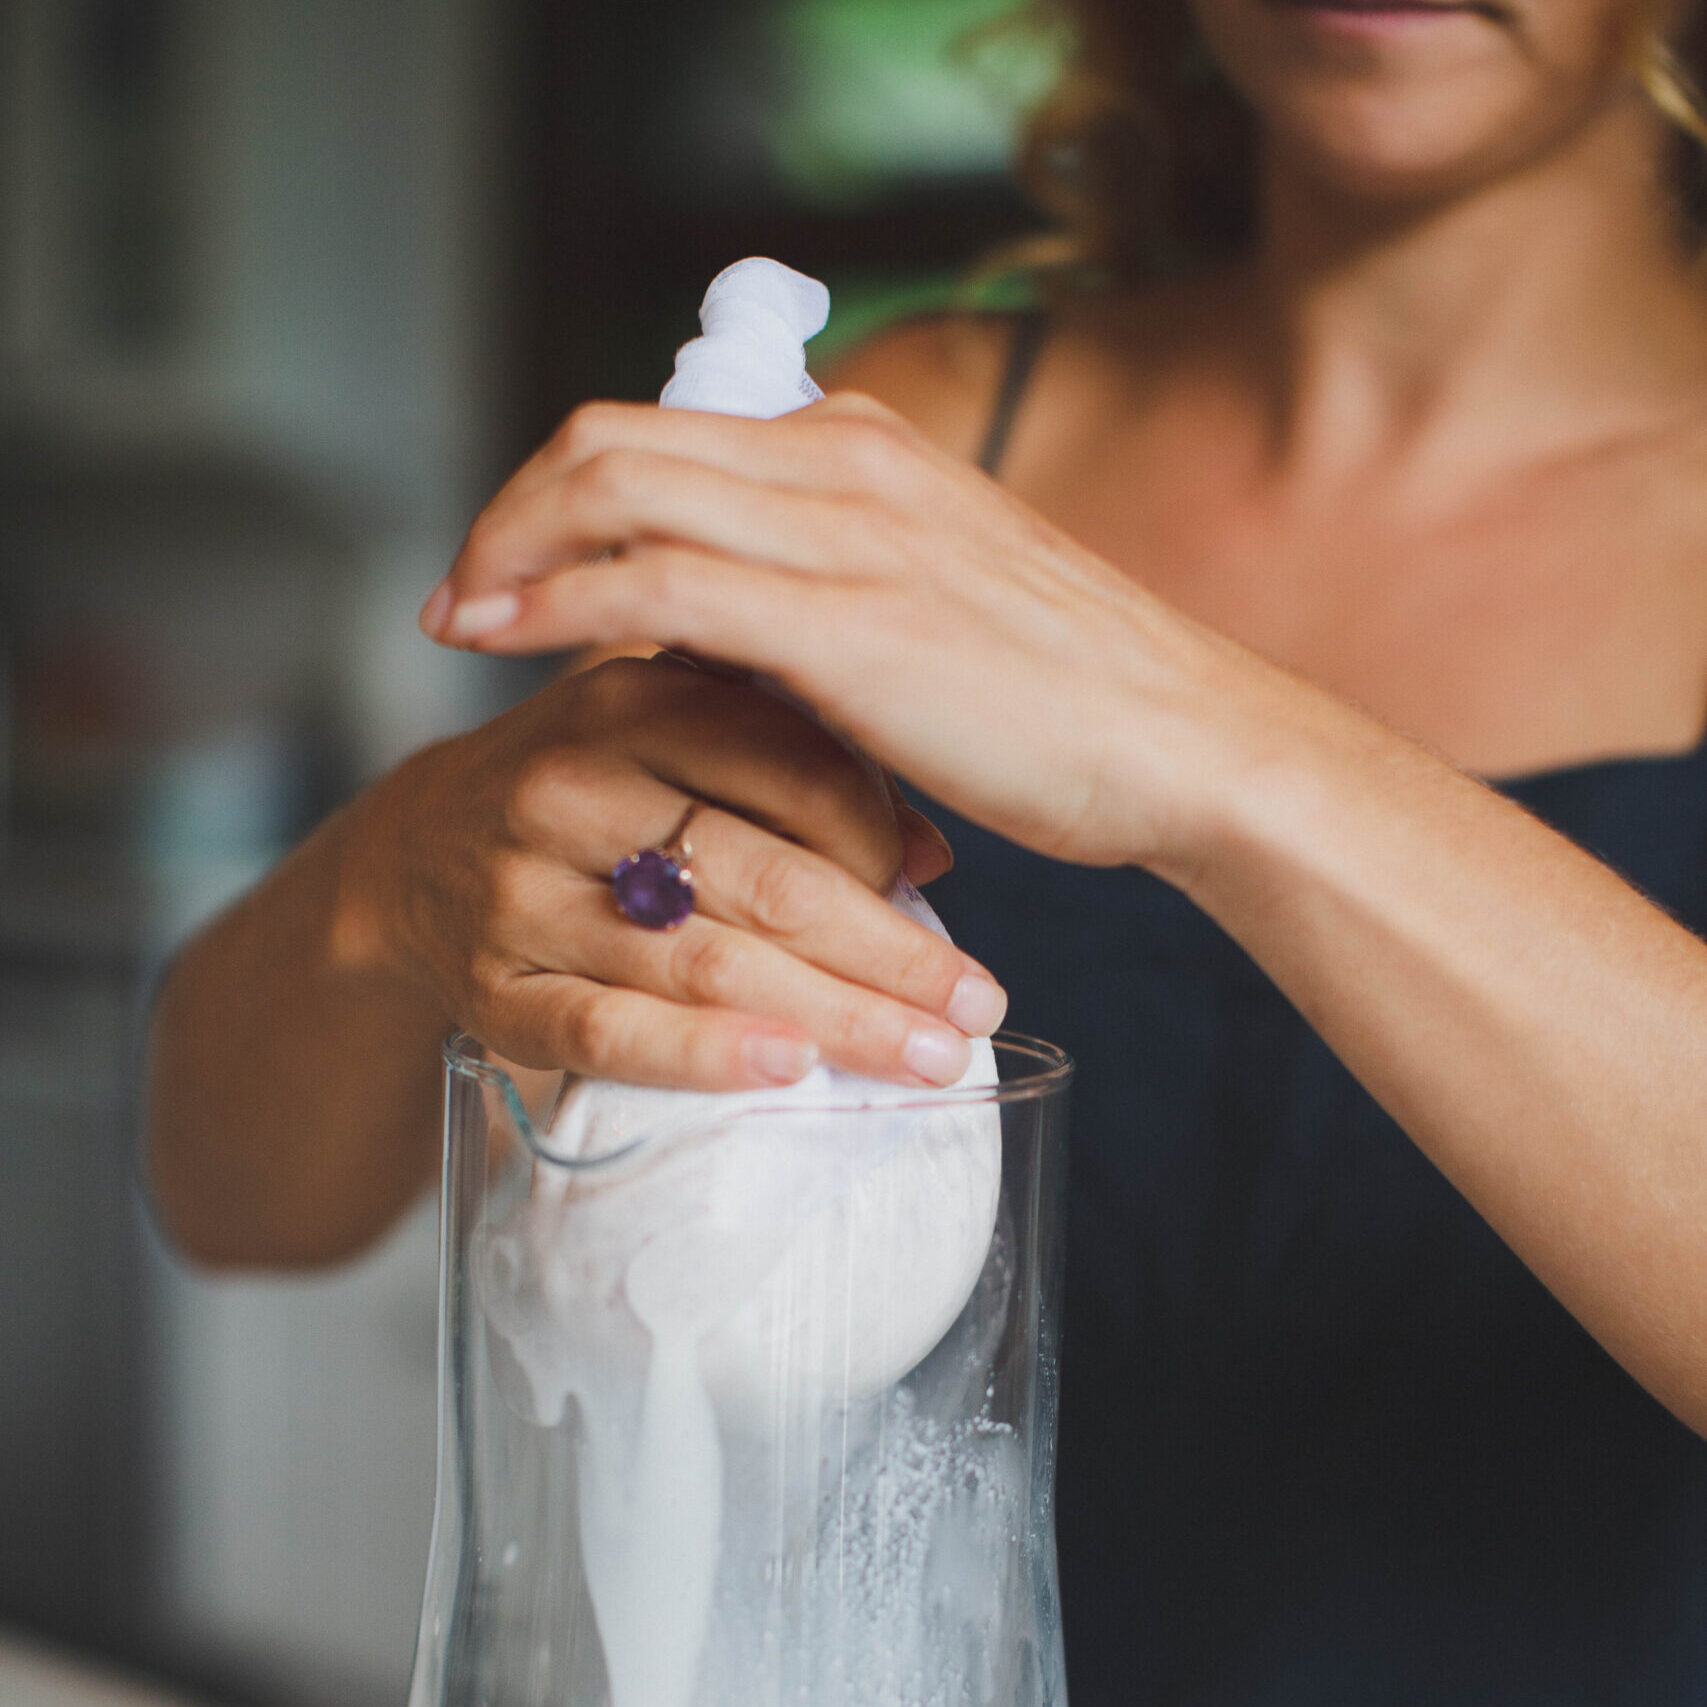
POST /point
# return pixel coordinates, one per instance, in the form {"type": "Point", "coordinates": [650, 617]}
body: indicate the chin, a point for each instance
{"type": "Point", "coordinates": [1383, 148]}
{"type": "Point", "coordinates": [1407, 100]}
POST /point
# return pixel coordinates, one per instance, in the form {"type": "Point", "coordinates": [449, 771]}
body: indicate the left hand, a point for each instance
{"type": "Point", "coordinates": [917, 606]}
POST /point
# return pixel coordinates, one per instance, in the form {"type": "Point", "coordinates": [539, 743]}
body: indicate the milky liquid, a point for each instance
{"type": "Point", "coordinates": [751, 1278]}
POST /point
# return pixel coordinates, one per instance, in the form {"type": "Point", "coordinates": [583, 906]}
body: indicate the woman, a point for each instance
{"type": "Point", "coordinates": [1405, 491]}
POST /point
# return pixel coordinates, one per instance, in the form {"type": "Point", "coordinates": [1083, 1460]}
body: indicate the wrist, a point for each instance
{"type": "Point", "coordinates": [366, 845]}
{"type": "Point", "coordinates": [1269, 764]}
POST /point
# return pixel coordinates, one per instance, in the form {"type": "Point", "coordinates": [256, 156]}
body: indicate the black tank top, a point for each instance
{"type": "Point", "coordinates": [1325, 1442]}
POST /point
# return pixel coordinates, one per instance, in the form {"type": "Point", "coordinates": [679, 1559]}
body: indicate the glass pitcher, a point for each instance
{"type": "Point", "coordinates": [752, 1410]}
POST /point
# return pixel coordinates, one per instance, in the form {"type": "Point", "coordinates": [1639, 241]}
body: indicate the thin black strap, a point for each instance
{"type": "Point", "coordinates": [1030, 329]}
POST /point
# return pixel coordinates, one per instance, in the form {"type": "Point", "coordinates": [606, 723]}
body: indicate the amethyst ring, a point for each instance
{"type": "Point", "coordinates": [654, 886]}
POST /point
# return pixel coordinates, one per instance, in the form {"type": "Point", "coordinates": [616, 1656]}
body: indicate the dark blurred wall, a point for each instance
{"type": "Point", "coordinates": [642, 176]}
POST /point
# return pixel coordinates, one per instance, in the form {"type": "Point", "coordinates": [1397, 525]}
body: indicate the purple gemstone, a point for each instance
{"type": "Point", "coordinates": [653, 890]}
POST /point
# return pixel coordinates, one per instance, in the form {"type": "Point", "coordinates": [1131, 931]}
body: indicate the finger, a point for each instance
{"type": "Point", "coordinates": [546, 1019]}
{"type": "Point", "coordinates": [825, 917]}
{"type": "Point", "coordinates": [691, 735]}
{"type": "Point", "coordinates": [846, 442]}
{"type": "Point", "coordinates": [846, 445]}
{"type": "Point", "coordinates": [774, 766]}
{"type": "Point", "coordinates": [817, 925]}
{"type": "Point", "coordinates": [707, 963]}
{"type": "Point", "coordinates": [621, 496]}
{"type": "Point", "coordinates": [675, 596]}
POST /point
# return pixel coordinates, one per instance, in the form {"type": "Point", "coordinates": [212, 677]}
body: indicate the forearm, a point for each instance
{"type": "Point", "coordinates": [293, 1086]}
{"type": "Point", "coordinates": [1537, 1027]}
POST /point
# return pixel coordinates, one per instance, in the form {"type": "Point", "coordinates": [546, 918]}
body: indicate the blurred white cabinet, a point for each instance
{"type": "Point", "coordinates": [256, 224]}
{"type": "Point", "coordinates": [297, 1428]}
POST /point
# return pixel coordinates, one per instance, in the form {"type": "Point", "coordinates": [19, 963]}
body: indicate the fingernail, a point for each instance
{"type": "Point", "coordinates": [435, 610]}
{"type": "Point", "coordinates": [938, 1056]}
{"type": "Point", "coordinates": [977, 1005]}
{"type": "Point", "coordinates": [781, 1060]}
{"type": "Point", "coordinates": [928, 855]}
{"type": "Point", "coordinates": [928, 829]}
{"type": "Point", "coordinates": [475, 617]}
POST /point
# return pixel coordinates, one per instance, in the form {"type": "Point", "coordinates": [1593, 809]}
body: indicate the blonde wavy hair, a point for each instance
{"type": "Point", "coordinates": [1144, 159]}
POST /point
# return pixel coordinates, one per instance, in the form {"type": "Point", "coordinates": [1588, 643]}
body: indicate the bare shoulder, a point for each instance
{"type": "Point", "coordinates": [940, 371]}
{"type": "Point", "coordinates": [1104, 353]}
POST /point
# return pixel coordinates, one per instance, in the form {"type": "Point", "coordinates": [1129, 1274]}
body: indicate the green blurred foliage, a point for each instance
{"type": "Point", "coordinates": [876, 91]}
{"type": "Point", "coordinates": [863, 303]}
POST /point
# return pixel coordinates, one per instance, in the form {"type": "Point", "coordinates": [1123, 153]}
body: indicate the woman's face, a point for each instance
{"type": "Point", "coordinates": [1412, 99]}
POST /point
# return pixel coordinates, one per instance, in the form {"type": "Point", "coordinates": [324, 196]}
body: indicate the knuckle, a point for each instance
{"type": "Point", "coordinates": [536, 796]}
{"type": "Point", "coordinates": [606, 476]}
{"type": "Point", "coordinates": [512, 885]}
{"type": "Point", "coordinates": [490, 997]}
{"type": "Point", "coordinates": [782, 893]}
{"type": "Point", "coordinates": [484, 539]}
{"type": "Point", "coordinates": [582, 433]}
{"type": "Point", "coordinates": [874, 1030]}
{"type": "Point", "coordinates": [706, 965]}
{"type": "Point", "coordinates": [669, 578]}
{"type": "Point", "coordinates": [857, 405]}
{"type": "Point", "coordinates": [926, 968]}
{"type": "Point", "coordinates": [610, 690]}
{"type": "Point", "coordinates": [597, 1033]}
{"type": "Point", "coordinates": [870, 449]}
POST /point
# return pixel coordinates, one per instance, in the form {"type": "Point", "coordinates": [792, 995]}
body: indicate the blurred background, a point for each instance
{"type": "Point", "coordinates": [285, 288]}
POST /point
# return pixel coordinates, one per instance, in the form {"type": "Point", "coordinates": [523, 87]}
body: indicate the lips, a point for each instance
{"type": "Point", "coordinates": [1394, 8]}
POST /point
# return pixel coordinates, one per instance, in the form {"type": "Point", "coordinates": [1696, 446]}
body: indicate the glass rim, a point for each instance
{"type": "Point", "coordinates": [465, 1054]}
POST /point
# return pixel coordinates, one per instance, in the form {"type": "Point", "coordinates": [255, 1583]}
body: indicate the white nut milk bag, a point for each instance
{"type": "Point", "coordinates": [675, 1294]}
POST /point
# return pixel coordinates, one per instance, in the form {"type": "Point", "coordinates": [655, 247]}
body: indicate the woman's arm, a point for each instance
{"type": "Point", "coordinates": [292, 1093]}
{"type": "Point", "coordinates": [1534, 1024]}
{"type": "Point", "coordinates": [294, 1072]}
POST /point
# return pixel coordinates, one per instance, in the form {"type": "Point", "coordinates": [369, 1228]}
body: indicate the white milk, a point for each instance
{"type": "Point", "coordinates": [740, 1272]}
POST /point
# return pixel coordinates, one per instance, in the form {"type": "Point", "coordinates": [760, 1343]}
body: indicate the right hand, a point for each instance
{"type": "Point", "coordinates": [479, 871]}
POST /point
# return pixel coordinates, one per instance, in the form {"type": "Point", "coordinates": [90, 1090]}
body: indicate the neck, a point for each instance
{"type": "Point", "coordinates": [1559, 304]}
